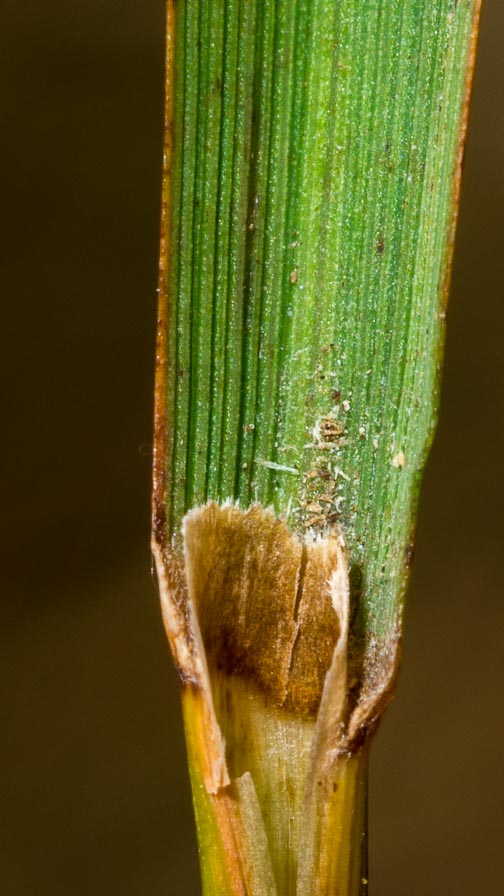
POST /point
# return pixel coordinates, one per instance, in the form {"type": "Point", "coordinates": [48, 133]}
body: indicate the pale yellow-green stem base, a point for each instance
{"type": "Point", "coordinates": [282, 827]}
{"type": "Point", "coordinates": [333, 856]}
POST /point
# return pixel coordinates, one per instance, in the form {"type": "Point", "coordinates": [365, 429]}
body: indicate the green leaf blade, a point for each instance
{"type": "Point", "coordinates": [316, 147]}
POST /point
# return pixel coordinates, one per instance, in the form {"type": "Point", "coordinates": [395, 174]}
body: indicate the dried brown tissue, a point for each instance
{"type": "Point", "coordinates": [246, 598]}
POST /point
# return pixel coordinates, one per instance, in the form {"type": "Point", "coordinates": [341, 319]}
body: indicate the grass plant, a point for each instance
{"type": "Point", "coordinates": [312, 171]}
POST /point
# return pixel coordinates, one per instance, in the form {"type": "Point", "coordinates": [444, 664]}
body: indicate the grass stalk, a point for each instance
{"type": "Point", "coordinates": [312, 170]}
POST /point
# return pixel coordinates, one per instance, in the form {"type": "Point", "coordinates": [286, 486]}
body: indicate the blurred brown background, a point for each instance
{"type": "Point", "coordinates": [94, 791]}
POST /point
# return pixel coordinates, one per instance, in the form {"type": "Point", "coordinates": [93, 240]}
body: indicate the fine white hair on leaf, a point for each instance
{"type": "Point", "coordinates": [271, 465]}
